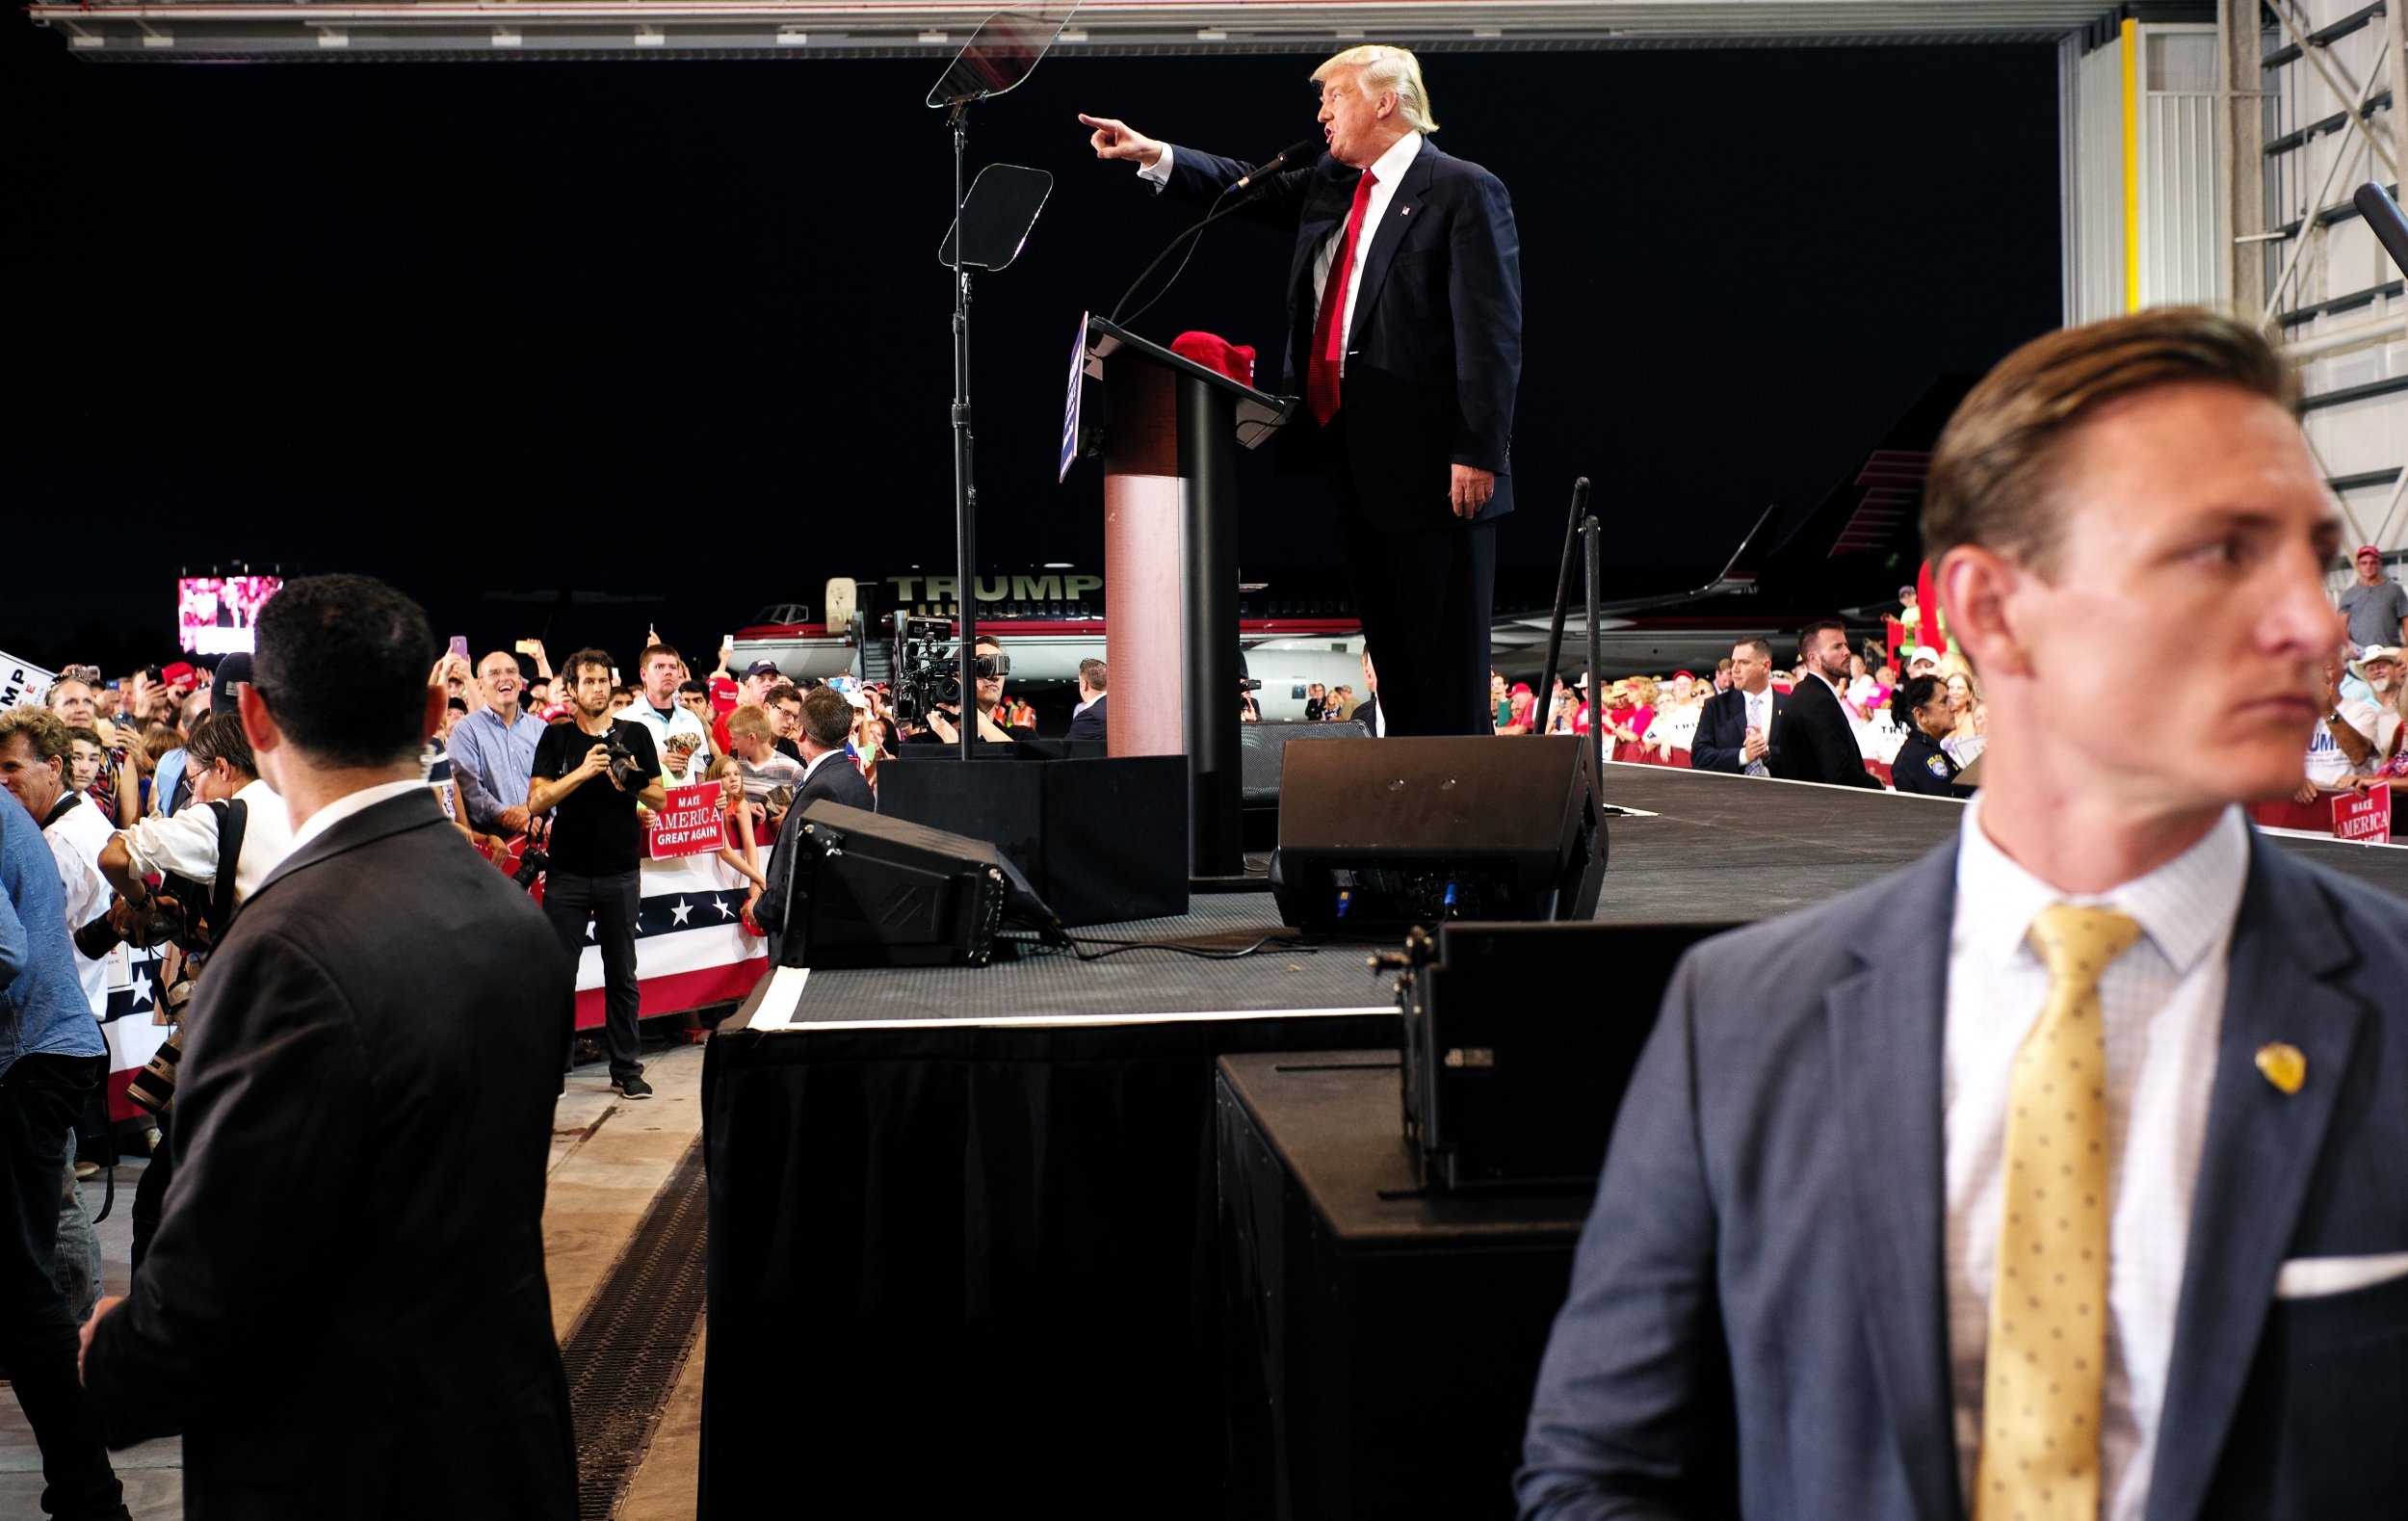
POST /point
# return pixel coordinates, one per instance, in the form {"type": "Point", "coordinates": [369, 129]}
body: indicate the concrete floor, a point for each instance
{"type": "Point", "coordinates": [609, 1159]}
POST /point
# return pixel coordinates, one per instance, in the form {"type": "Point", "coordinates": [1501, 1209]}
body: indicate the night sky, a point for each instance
{"type": "Point", "coordinates": [676, 329]}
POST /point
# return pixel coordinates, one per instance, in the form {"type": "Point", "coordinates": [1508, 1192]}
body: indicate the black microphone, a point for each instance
{"type": "Point", "coordinates": [1293, 152]}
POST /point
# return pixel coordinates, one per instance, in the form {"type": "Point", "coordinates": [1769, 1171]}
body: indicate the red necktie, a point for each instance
{"type": "Point", "coordinates": [1321, 372]}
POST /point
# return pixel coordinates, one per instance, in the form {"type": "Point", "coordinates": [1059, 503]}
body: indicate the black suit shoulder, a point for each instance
{"type": "Point", "coordinates": [1818, 744]}
{"type": "Point", "coordinates": [837, 780]}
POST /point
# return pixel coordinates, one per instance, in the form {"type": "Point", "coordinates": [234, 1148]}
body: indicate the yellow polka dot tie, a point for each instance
{"type": "Point", "coordinates": [2047, 1355]}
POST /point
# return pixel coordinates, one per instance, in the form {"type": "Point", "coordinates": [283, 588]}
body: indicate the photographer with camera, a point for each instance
{"type": "Point", "coordinates": [234, 811]}
{"type": "Point", "coordinates": [591, 775]}
{"type": "Point", "coordinates": [940, 715]}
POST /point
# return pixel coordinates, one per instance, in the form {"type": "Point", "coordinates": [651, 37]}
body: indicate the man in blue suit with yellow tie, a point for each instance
{"type": "Point", "coordinates": [1404, 339]}
{"type": "Point", "coordinates": [2073, 1187]}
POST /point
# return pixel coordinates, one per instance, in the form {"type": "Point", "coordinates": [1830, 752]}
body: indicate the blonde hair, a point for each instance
{"type": "Point", "coordinates": [1384, 69]}
{"type": "Point", "coordinates": [752, 718]}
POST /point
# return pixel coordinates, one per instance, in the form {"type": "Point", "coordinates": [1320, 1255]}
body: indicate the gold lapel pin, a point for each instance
{"type": "Point", "coordinates": [2284, 1066]}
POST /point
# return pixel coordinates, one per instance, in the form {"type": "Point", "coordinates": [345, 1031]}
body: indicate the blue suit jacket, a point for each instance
{"type": "Point", "coordinates": [1435, 351]}
{"type": "Point", "coordinates": [1757, 1315]}
{"type": "Point", "coordinates": [1722, 729]}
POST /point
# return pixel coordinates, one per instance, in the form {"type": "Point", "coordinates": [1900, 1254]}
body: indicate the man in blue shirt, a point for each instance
{"type": "Point", "coordinates": [51, 1058]}
{"type": "Point", "coordinates": [493, 749]}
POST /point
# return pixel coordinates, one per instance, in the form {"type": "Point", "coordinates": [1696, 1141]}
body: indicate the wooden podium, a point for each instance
{"type": "Point", "coordinates": [1170, 569]}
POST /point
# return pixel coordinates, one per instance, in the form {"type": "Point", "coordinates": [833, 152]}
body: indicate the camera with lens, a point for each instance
{"type": "Point", "coordinates": [927, 667]}
{"type": "Point", "coordinates": [533, 862]}
{"type": "Point", "coordinates": [625, 769]}
{"type": "Point", "coordinates": [1249, 683]}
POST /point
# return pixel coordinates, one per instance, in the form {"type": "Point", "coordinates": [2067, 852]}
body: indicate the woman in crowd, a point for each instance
{"type": "Point", "coordinates": [2388, 759]}
{"type": "Point", "coordinates": [1921, 707]}
{"type": "Point", "coordinates": [1963, 699]}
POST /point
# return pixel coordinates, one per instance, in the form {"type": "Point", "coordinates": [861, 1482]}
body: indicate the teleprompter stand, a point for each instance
{"type": "Point", "coordinates": [1170, 571]}
{"type": "Point", "coordinates": [989, 225]}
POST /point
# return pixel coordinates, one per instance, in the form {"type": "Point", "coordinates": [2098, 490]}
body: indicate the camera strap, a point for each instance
{"type": "Point", "coordinates": [234, 814]}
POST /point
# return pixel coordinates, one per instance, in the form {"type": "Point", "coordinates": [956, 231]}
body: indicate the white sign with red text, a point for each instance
{"type": "Point", "coordinates": [2366, 819]}
{"type": "Point", "coordinates": [692, 823]}
{"type": "Point", "coordinates": [22, 683]}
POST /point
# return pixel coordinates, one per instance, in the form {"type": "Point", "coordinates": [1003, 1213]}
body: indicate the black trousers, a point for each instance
{"type": "Point", "coordinates": [40, 1098]}
{"type": "Point", "coordinates": [610, 904]}
{"type": "Point", "coordinates": [1425, 598]}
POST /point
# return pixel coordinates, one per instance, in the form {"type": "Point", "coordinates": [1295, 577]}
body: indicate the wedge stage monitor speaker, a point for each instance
{"type": "Point", "coordinates": [1378, 837]}
{"type": "Point", "coordinates": [874, 891]}
{"type": "Point", "coordinates": [1260, 746]}
{"type": "Point", "coordinates": [1518, 1039]}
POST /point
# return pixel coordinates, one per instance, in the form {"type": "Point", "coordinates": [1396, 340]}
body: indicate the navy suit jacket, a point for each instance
{"type": "Point", "coordinates": [1818, 744]}
{"type": "Point", "coordinates": [1089, 725]}
{"type": "Point", "coordinates": [1757, 1315]}
{"type": "Point", "coordinates": [1435, 353]}
{"type": "Point", "coordinates": [1722, 730]}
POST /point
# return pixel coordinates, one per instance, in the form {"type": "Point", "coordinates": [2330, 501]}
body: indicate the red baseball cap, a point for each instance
{"type": "Point", "coordinates": [180, 674]}
{"type": "Point", "coordinates": [2364, 550]}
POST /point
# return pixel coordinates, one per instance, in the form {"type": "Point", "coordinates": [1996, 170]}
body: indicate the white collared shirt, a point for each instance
{"type": "Point", "coordinates": [1759, 719]}
{"type": "Point", "coordinates": [1387, 172]}
{"type": "Point", "coordinates": [813, 764]}
{"type": "Point", "coordinates": [2163, 1007]}
{"type": "Point", "coordinates": [343, 807]}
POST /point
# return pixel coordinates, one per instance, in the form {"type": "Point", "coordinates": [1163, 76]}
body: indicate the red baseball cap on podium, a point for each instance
{"type": "Point", "coordinates": [1216, 354]}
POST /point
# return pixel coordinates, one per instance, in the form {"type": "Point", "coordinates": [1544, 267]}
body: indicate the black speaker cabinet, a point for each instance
{"type": "Point", "coordinates": [874, 891]}
{"type": "Point", "coordinates": [1100, 840]}
{"type": "Point", "coordinates": [1518, 1042]}
{"type": "Point", "coordinates": [1263, 745]}
{"type": "Point", "coordinates": [1377, 837]}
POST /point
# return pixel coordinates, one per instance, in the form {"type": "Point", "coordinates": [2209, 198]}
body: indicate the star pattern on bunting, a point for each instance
{"type": "Point", "coordinates": [681, 913]}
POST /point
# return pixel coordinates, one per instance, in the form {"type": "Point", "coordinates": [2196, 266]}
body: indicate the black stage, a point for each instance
{"type": "Point", "coordinates": [1707, 847]}
{"type": "Point", "coordinates": [963, 1223]}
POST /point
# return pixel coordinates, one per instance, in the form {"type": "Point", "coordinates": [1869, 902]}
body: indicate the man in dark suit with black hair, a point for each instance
{"type": "Point", "coordinates": [1818, 744]}
{"type": "Point", "coordinates": [1740, 730]}
{"type": "Point", "coordinates": [1405, 339]}
{"type": "Point", "coordinates": [2074, 1191]}
{"type": "Point", "coordinates": [345, 1310]}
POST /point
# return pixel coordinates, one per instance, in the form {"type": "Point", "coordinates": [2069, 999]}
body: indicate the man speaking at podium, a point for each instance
{"type": "Point", "coordinates": [1404, 337]}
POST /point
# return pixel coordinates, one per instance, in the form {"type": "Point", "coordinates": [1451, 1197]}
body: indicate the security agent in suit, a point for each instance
{"type": "Point", "coordinates": [1408, 371]}
{"type": "Point", "coordinates": [1728, 739]}
{"type": "Point", "coordinates": [1819, 744]}
{"type": "Point", "coordinates": [1803, 1291]}
{"type": "Point", "coordinates": [1088, 723]}
{"type": "Point", "coordinates": [345, 1310]}
{"type": "Point", "coordinates": [828, 775]}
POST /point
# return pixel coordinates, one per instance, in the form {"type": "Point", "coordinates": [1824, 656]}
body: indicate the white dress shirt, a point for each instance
{"type": "Point", "coordinates": [2163, 1005]}
{"type": "Point", "coordinates": [1387, 172]}
{"type": "Point", "coordinates": [1759, 719]}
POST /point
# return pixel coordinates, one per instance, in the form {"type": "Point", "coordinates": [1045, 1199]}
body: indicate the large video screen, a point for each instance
{"type": "Point", "coordinates": [214, 614]}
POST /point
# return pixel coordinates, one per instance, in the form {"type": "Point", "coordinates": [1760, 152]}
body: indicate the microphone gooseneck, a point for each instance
{"type": "Point", "coordinates": [1286, 156]}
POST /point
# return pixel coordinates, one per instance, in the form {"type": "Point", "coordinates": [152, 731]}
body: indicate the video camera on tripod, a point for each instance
{"type": "Point", "coordinates": [927, 667]}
